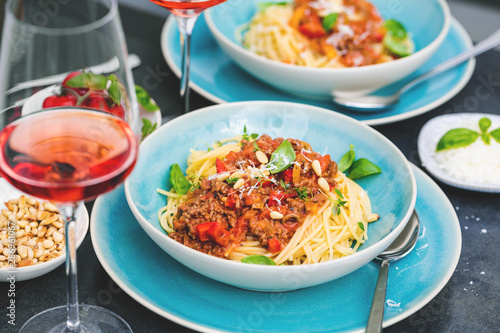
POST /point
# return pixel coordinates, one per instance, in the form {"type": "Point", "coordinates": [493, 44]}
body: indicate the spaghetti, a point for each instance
{"type": "Point", "coordinates": [327, 33]}
{"type": "Point", "coordinates": [269, 197]}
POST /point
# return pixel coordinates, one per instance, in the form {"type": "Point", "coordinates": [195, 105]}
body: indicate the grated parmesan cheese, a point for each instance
{"type": "Point", "coordinates": [477, 162]}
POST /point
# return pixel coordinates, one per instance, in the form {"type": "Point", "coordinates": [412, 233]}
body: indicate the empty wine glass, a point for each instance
{"type": "Point", "coordinates": [186, 13]}
{"type": "Point", "coordinates": [72, 141]}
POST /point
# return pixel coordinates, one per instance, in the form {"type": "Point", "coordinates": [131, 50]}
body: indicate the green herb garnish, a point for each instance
{"type": "Point", "coordinates": [356, 168]}
{"type": "Point", "coordinates": [88, 80]}
{"type": "Point", "coordinates": [341, 196]}
{"type": "Point", "coordinates": [303, 193]}
{"type": "Point", "coordinates": [147, 128]}
{"type": "Point", "coordinates": [395, 28]}
{"type": "Point", "coordinates": [264, 5]}
{"type": "Point", "coordinates": [361, 226]}
{"type": "Point", "coordinates": [282, 157]}
{"type": "Point", "coordinates": [362, 168]}
{"type": "Point", "coordinates": [114, 89]}
{"type": "Point", "coordinates": [397, 40]}
{"type": "Point", "coordinates": [178, 181]}
{"type": "Point", "coordinates": [145, 100]}
{"type": "Point", "coordinates": [255, 146]}
{"type": "Point", "coordinates": [329, 21]}
{"type": "Point", "coordinates": [258, 260]}
{"type": "Point", "coordinates": [232, 180]}
{"type": "Point", "coordinates": [347, 160]}
{"type": "Point", "coordinates": [247, 136]}
{"type": "Point", "coordinates": [462, 137]}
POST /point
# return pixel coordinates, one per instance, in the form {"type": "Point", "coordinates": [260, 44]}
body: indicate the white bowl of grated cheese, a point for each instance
{"type": "Point", "coordinates": [474, 166]}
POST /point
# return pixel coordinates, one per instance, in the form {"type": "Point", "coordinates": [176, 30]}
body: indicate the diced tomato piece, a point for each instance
{"type": "Point", "coordinates": [202, 230]}
{"type": "Point", "coordinates": [221, 166]}
{"type": "Point", "coordinates": [218, 234]}
{"type": "Point", "coordinates": [230, 201]}
{"type": "Point", "coordinates": [266, 183]}
{"type": "Point", "coordinates": [56, 101]}
{"type": "Point", "coordinates": [312, 28]}
{"type": "Point", "coordinates": [324, 161]}
{"type": "Point", "coordinates": [287, 175]}
{"type": "Point", "coordinates": [276, 197]}
{"type": "Point", "coordinates": [274, 245]}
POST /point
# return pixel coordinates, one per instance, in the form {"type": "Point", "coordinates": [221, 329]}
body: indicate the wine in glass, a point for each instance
{"type": "Point", "coordinates": [67, 142]}
{"type": "Point", "coordinates": [186, 13]}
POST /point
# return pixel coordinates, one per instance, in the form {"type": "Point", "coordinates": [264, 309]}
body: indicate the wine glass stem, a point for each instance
{"type": "Point", "coordinates": [186, 25]}
{"type": "Point", "coordinates": [68, 211]}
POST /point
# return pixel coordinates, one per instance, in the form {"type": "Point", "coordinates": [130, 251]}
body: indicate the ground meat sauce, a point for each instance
{"type": "Point", "coordinates": [294, 193]}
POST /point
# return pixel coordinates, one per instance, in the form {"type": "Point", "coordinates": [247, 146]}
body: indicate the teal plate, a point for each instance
{"type": "Point", "coordinates": [215, 76]}
{"type": "Point", "coordinates": [200, 303]}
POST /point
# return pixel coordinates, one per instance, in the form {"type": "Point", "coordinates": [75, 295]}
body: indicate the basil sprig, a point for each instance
{"type": "Point", "coordinates": [396, 40]}
{"type": "Point", "coordinates": [145, 100]}
{"type": "Point", "coordinates": [147, 127]}
{"type": "Point", "coordinates": [329, 21]}
{"type": "Point", "coordinates": [462, 137]}
{"type": "Point", "coordinates": [258, 260]}
{"type": "Point", "coordinates": [359, 168]}
{"type": "Point", "coordinates": [282, 157]}
{"type": "Point", "coordinates": [178, 181]}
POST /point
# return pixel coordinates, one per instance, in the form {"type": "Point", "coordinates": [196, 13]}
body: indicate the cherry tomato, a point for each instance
{"type": "Point", "coordinates": [79, 91]}
{"type": "Point", "coordinates": [97, 101]}
{"type": "Point", "coordinates": [55, 101]}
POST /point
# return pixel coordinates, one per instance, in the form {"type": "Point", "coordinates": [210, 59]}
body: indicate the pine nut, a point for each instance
{"type": "Point", "coordinates": [372, 217]}
{"type": "Point", "coordinates": [323, 184]}
{"type": "Point", "coordinates": [239, 183]}
{"type": "Point", "coordinates": [316, 167]}
{"type": "Point", "coordinates": [261, 157]}
{"type": "Point", "coordinates": [222, 177]}
{"type": "Point", "coordinates": [34, 223]}
{"type": "Point", "coordinates": [276, 215]}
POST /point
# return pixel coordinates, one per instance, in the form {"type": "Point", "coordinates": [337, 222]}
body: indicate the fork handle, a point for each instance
{"type": "Point", "coordinates": [378, 304]}
{"type": "Point", "coordinates": [488, 43]}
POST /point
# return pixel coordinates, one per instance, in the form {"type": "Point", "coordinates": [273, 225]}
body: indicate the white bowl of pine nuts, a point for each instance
{"type": "Point", "coordinates": [32, 241]}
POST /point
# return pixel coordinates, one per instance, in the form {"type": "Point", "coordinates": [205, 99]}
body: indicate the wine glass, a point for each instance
{"type": "Point", "coordinates": [70, 141]}
{"type": "Point", "coordinates": [186, 13]}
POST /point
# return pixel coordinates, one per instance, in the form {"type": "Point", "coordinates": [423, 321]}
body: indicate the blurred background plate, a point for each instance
{"type": "Point", "coordinates": [216, 77]}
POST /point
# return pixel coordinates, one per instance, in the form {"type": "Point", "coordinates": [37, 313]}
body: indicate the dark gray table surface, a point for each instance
{"type": "Point", "coordinates": [470, 301]}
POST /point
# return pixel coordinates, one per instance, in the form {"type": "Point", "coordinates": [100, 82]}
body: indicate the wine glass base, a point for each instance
{"type": "Point", "coordinates": [93, 319]}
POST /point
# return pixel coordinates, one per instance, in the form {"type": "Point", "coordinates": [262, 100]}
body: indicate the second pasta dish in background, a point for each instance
{"type": "Point", "coordinates": [325, 33]}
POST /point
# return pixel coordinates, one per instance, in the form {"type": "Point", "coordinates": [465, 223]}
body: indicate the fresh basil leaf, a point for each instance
{"type": "Point", "coordinates": [361, 226]}
{"type": "Point", "coordinates": [485, 137]}
{"type": "Point", "coordinates": [264, 5]}
{"type": "Point", "coordinates": [329, 21]}
{"type": "Point", "coordinates": [455, 138]}
{"type": "Point", "coordinates": [254, 136]}
{"type": "Point", "coordinates": [484, 124]}
{"type": "Point", "coordinates": [395, 28]}
{"type": "Point", "coordinates": [362, 168]}
{"type": "Point", "coordinates": [145, 100]}
{"type": "Point", "coordinates": [495, 134]}
{"type": "Point", "coordinates": [347, 160]}
{"type": "Point", "coordinates": [258, 260]}
{"type": "Point", "coordinates": [147, 128]}
{"type": "Point", "coordinates": [114, 89]}
{"type": "Point", "coordinates": [178, 181]}
{"type": "Point", "coordinates": [88, 80]}
{"type": "Point", "coordinates": [399, 46]}
{"type": "Point", "coordinates": [282, 157]}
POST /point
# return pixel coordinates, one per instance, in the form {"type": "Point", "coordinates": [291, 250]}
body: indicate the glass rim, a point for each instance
{"type": "Point", "coordinates": [108, 17]}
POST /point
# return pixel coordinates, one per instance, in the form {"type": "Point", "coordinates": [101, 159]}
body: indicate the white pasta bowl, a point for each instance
{"type": "Point", "coordinates": [17, 274]}
{"type": "Point", "coordinates": [392, 193]}
{"type": "Point", "coordinates": [428, 21]}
